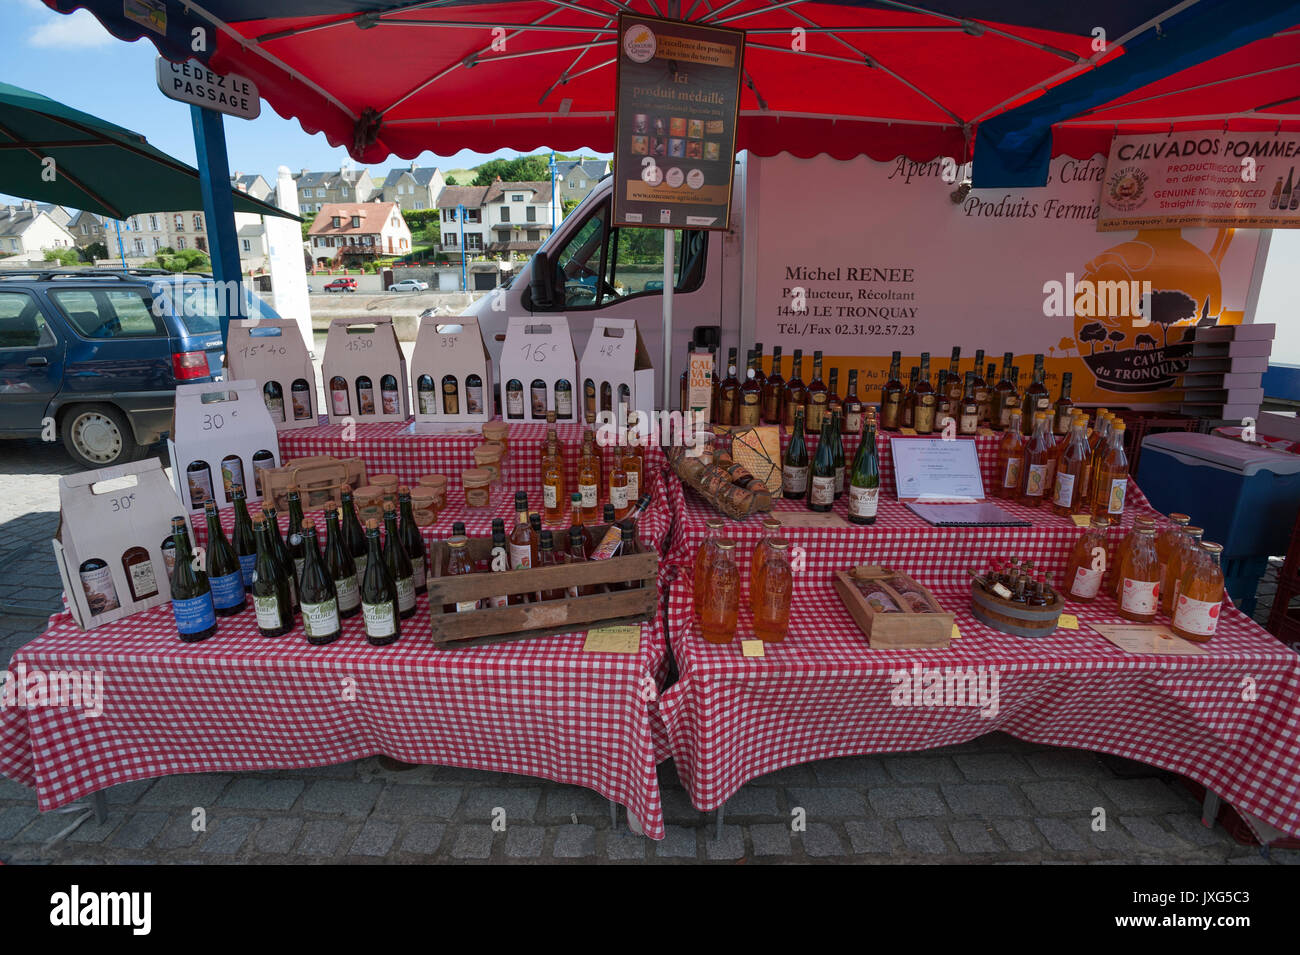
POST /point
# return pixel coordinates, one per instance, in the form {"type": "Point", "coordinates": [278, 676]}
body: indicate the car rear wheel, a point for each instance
{"type": "Point", "coordinates": [98, 436]}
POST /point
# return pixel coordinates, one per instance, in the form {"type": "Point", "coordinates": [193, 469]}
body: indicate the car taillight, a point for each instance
{"type": "Point", "coordinates": [190, 364]}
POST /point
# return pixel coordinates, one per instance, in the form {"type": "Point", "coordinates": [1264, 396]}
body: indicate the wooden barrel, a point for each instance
{"type": "Point", "coordinates": [1017, 619]}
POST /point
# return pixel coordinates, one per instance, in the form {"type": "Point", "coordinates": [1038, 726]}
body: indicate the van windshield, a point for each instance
{"type": "Point", "coordinates": [199, 304]}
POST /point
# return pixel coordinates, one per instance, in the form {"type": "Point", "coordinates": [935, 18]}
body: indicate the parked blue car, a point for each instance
{"type": "Point", "coordinates": [93, 357]}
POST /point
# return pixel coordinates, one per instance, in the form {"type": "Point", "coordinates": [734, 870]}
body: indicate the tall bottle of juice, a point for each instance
{"type": "Point", "coordinates": [1088, 563]}
{"type": "Point", "coordinates": [1100, 431]}
{"type": "Point", "coordinates": [775, 587]}
{"type": "Point", "coordinates": [1033, 486]}
{"type": "Point", "coordinates": [1011, 459]}
{"type": "Point", "coordinates": [1200, 595]}
{"type": "Point", "coordinates": [1178, 561]}
{"type": "Point", "coordinates": [721, 608]}
{"type": "Point", "coordinates": [1125, 545]}
{"type": "Point", "coordinates": [1167, 541]}
{"type": "Point", "coordinates": [771, 531]}
{"type": "Point", "coordinates": [1083, 480]}
{"type": "Point", "coordinates": [704, 558]}
{"type": "Point", "coordinates": [1112, 475]}
{"type": "Point", "coordinates": [1072, 467]}
{"type": "Point", "coordinates": [1139, 575]}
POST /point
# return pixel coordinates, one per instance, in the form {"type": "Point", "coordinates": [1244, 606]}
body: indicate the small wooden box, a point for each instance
{"type": "Point", "coordinates": [903, 629]}
{"type": "Point", "coordinates": [319, 481]}
{"type": "Point", "coordinates": [572, 614]}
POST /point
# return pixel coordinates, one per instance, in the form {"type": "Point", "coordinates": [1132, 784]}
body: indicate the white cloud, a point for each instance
{"type": "Point", "coordinates": [79, 30]}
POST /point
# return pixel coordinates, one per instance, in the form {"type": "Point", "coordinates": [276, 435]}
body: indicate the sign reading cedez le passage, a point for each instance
{"type": "Point", "coordinates": [192, 82]}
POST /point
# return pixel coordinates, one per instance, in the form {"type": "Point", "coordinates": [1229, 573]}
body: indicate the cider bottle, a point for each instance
{"type": "Point", "coordinates": [1200, 595]}
{"type": "Point", "coordinates": [1011, 459]}
{"type": "Point", "coordinates": [1083, 480]}
{"type": "Point", "coordinates": [1112, 475]}
{"type": "Point", "coordinates": [1139, 576]}
{"type": "Point", "coordinates": [1167, 541]}
{"type": "Point", "coordinates": [704, 558]}
{"type": "Point", "coordinates": [1178, 562]}
{"type": "Point", "coordinates": [1033, 486]}
{"type": "Point", "coordinates": [721, 608]}
{"type": "Point", "coordinates": [771, 531]}
{"type": "Point", "coordinates": [1125, 545]}
{"type": "Point", "coordinates": [1088, 562]}
{"type": "Point", "coordinates": [1074, 463]}
{"type": "Point", "coordinates": [775, 585]}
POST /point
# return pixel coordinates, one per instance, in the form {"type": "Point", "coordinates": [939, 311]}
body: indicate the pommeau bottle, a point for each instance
{"type": "Point", "coordinates": [794, 468]}
{"type": "Point", "coordinates": [864, 481]}
{"type": "Point", "coordinates": [320, 604]}
{"type": "Point", "coordinates": [270, 586]}
{"type": "Point", "coordinates": [378, 594]}
{"type": "Point", "coordinates": [196, 618]}
{"type": "Point", "coordinates": [821, 492]}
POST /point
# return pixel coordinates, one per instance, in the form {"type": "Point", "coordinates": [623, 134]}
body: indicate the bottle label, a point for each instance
{"type": "Point", "coordinates": [389, 399]}
{"type": "Point", "coordinates": [339, 400]}
{"type": "Point", "coordinates": [380, 619]}
{"type": "Point", "coordinates": [618, 497]}
{"type": "Point", "coordinates": [1064, 489]}
{"type": "Point", "coordinates": [301, 406]}
{"type": "Point", "coordinates": [981, 395]}
{"type": "Point", "coordinates": [863, 501]}
{"type": "Point", "coordinates": [969, 422]}
{"type": "Point", "coordinates": [1063, 423]}
{"type": "Point", "coordinates": [1042, 404]}
{"type": "Point", "coordinates": [349, 594]}
{"type": "Point", "coordinates": [275, 406]}
{"type": "Point", "coordinates": [1036, 480]}
{"type": "Point", "coordinates": [563, 404]}
{"type": "Point", "coordinates": [1200, 617]}
{"type": "Point", "coordinates": [405, 593]}
{"type": "Point", "coordinates": [515, 404]}
{"type": "Point", "coordinates": [1115, 499]}
{"type": "Point", "coordinates": [425, 406]}
{"type": "Point", "coordinates": [589, 494]}
{"type": "Point", "coordinates": [839, 480]}
{"type": "Point", "coordinates": [366, 400]}
{"type": "Point", "coordinates": [268, 612]}
{"type": "Point", "coordinates": [550, 496]}
{"type": "Point", "coordinates": [1086, 582]}
{"type": "Point", "coordinates": [521, 556]}
{"type": "Point", "coordinates": [246, 564]}
{"type": "Point", "coordinates": [322, 619]}
{"type": "Point", "coordinates": [633, 485]}
{"type": "Point", "coordinates": [194, 614]}
{"type": "Point", "coordinates": [142, 577]}
{"type": "Point", "coordinates": [465, 606]}
{"type": "Point", "coordinates": [227, 591]}
{"type": "Point", "coordinates": [823, 490]}
{"type": "Point", "coordinates": [417, 572]}
{"type": "Point", "coordinates": [794, 480]}
{"type": "Point", "coordinates": [1012, 477]}
{"type": "Point", "coordinates": [1139, 596]}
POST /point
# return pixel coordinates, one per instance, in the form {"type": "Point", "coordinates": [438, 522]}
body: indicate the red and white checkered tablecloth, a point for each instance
{"type": "Point", "coordinates": [1229, 719]}
{"type": "Point", "coordinates": [239, 701]}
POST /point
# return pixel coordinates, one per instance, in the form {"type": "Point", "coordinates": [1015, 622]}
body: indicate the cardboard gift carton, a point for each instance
{"type": "Point", "coordinates": [271, 352]}
{"type": "Point", "coordinates": [616, 370]}
{"type": "Point", "coordinates": [451, 378]}
{"type": "Point", "coordinates": [538, 370]}
{"type": "Point", "coordinates": [365, 372]}
{"type": "Point", "coordinates": [113, 524]}
{"type": "Point", "coordinates": [221, 435]}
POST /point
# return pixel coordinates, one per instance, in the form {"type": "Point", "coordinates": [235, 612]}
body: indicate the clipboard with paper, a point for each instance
{"type": "Point", "coordinates": [940, 482]}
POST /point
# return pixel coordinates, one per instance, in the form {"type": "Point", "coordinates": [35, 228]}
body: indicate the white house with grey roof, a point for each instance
{"type": "Point", "coordinates": [413, 188]}
{"type": "Point", "coordinates": [28, 231]}
{"type": "Point", "coordinates": [345, 184]}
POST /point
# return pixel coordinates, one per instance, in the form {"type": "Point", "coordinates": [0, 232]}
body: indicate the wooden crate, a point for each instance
{"type": "Point", "coordinates": [318, 479]}
{"type": "Point", "coordinates": [906, 629]}
{"type": "Point", "coordinates": [548, 617]}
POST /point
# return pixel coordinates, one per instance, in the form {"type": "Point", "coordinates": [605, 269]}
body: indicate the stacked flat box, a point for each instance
{"type": "Point", "coordinates": [1224, 377]}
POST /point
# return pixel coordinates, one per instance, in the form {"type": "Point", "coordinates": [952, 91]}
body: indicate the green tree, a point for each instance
{"type": "Point", "coordinates": [307, 219]}
{"type": "Point", "coordinates": [567, 206]}
{"type": "Point", "coordinates": [63, 256]}
{"type": "Point", "coordinates": [96, 250]}
{"type": "Point", "coordinates": [522, 169]}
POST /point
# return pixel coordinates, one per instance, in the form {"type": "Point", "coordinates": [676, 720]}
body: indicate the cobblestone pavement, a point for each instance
{"type": "Point", "coordinates": [996, 799]}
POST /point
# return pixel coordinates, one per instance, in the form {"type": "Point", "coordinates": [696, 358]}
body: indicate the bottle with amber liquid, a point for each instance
{"type": "Point", "coordinates": [1071, 471]}
{"type": "Point", "coordinates": [981, 387]}
{"type": "Point", "coordinates": [891, 396]}
{"type": "Point", "coordinates": [1012, 399]}
{"type": "Point", "coordinates": [927, 401]}
{"type": "Point", "coordinates": [999, 393]}
{"type": "Point", "coordinates": [1100, 431]}
{"type": "Point", "coordinates": [759, 374]}
{"type": "Point", "coordinates": [749, 411]}
{"type": "Point", "coordinates": [907, 417]}
{"type": "Point", "coordinates": [1036, 397]}
{"type": "Point", "coordinates": [1086, 567]}
{"type": "Point", "coordinates": [1125, 545]}
{"type": "Point", "coordinates": [944, 409]}
{"type": "Point", "coordinates": [795, 395]}
{"type": "Point", "coordinates": [771, 531]}
{"type": "Point", "coordinates": [834, 403]}
{"type": "Point", "coordinates": [618, 488]}
{"type": "Point", "coordinates": [954, 392]}
{"type": "Point", "coordinates": [1112, 475]}
{"type": "Point", "coordinates": [729, 393]}
{"type": "Point", "coordinates": [853, 407]}
{"type": "Point", "coordinates": [818, 398]}
{"type": "Point", "coordinates": [1139, 577]}
{"type": "Point", "coordinates": [721, 608]}
{"type": "Point", "coordinates": [704, 558]}
{"type": "Point", "coordinates": [1011, 459]}
{"type": "Point", "coordinates": [1169, 542]}
{"type": "Point", "coordinates": [1178, 560]}
{"type": "Point", "coordinates": [1037, 459]}
{"type": "Point", "coordinates": [1064, 406]}
{"type": "Point", "coordinates": [775, 586]}
{"type": "Point", "coordinates": [773, 387]}
{"type": "Point", "coordinates": [589, 481]}
{"type": "Point", "coordinates": [1200, 595]}
{"type": "Point", "coordinates": [684, 383]}
{"type": "Point", "coordinates": [968, 413]}
{"type": "Point", "coordinates": [634, 464]}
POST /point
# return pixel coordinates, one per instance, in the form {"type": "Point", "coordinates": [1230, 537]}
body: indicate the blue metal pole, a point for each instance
{"type": "Point", "coordinates": [121, 253]}
{"type": "Point", "coordinates": [460, 217]}
{"type": "Point", "coordinates": [219, 209]}
{"type": "Point", "coordinates": [552, 190]}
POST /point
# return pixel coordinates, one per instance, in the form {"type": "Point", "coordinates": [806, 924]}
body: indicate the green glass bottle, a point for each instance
{"type": "Point", "coordinates": [196, 617]}
{"type": "Point", "coordinates": [399, 565]}
{"type": "Point", "coordinates": [294, 534]}
{"type": "Point", "coordinates": [864, 479]}
{"type": "Point", "coordinates": [837, 447]}
{"type": "Point", "coordinates": [243, 539]}
{"type": "Point", "coordinates": [320, 602]}
{"type": "Point", "coordinates": [794, 466]}
{"type": "Point", "coordinates": [281, 553]}
{"type": "Point", "coordinates": [378, 594]}
{"type": "Point", "coordinates": [270, 589]}
{"type": "Point", "coordinates": [412, 540]}
{"type": "Point", "coordinates": [222, 567]}
{"type": "Point", "coordinates": [354, 538]}
{"type": "Point", "coordinates": [341, 568]}
{"type": "Point", "coordinates": [821, 490]}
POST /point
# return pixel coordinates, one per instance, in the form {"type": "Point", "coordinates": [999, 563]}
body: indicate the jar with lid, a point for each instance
{"type": "Point", "coordinates": [478, 487]}
{"type": "Point", "coordinates": [488, 457]}
{"type": "Point", "coordinates": [436, 483]}
{"type": "Point", "coordinates": [499, 432]}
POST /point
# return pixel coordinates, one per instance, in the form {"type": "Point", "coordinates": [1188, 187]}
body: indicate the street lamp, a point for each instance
{"type": "Point", "coordinates": [460, 217]}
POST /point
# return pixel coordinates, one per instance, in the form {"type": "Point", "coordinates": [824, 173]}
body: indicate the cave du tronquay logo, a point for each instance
{"type": "Point", "coordinates": [1127, 188]}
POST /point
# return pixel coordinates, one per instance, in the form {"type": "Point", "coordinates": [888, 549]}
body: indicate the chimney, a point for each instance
{"type": "Point", "coordinates": [412, 165]}
{"type": "Point", "coordinates": [305, 170]}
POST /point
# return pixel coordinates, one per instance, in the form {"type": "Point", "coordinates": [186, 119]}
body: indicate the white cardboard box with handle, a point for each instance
{"type": "Point", "coordinates": [221, 436]}
{"type": "Point", "coordinates": [616, 370]}
{"type": "Point", "coordinates": [451, 376]}
{"type": "Point", "coordinates": [365, 372]}
{"type": "Point", "coordinates": [539, 369]}
{"type": "Point", "coordinates": [271, 352]}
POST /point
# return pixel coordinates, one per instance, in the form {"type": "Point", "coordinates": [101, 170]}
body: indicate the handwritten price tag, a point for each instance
{"type": "Point", "coordinates": [1081, 520]}
{"type": "Point", "coordinates": [613, 640]}
{"type": "Point", "coordinates": [956, 632]}
{"type": "Point", "coordinates": [751, 648]}
{"type": "Point", "coordinates": [1068, 621]}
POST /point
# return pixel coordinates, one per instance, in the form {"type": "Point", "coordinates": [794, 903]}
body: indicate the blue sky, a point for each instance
{"type": "Point", "coordinates": [74, 60]}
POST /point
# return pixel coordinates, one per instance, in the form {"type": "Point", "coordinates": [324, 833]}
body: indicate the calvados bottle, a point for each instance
{"type": "Point", "coordinates": [864, 478]}
{"type": "Point", "coordinates": [1038, 452]}
{"type": "Point", "coordinates": [1200, 595]}
{"type": "Point", "coordinates": [821, 488]}
{"type": "Point", "coordinates": [794, 467]}
{"type": "Point", "coordinates": [981, 389]}
{"type": "Point", "coordinates": [273, 397]}
{"type": "Point", "coordinates": [589, 477]}
{"type": "Point", "coordinates": [389, 397]}
{"type": "Point", "coordinates": [775, 586]}
{"type": "Point", "coordinates": [795, 396]}
{"type": "Point", "coordinates": [341, 568]}
{"type": "Point", "coordinates": [926, 401]}
{"type": "Point", "coordinates": [412, 540]}
{"type": "Point", "coordinates": [998, 396]}
{"type": "Point", "coordinates": [944, 409]}
{"type": "Point", "coordinates": [222, 567]}
{"type": "Point", "coordinates": [365, 395]}
{"type": "Point", "coordinates": [426, 399]}
{"type": "Point", "coordinates": [399, 565]}
{"type": "Point", "coordinates": [749, 408]}
{"type": "Point", "coordinates": [773, 388]}
{"type": "Point", "coordinates": [270, 586]}
{"type": "Point", "coordinates": [633, 467]}
{"type": "Point", "coordinates": [953, 392]}
{"type": "Point", "coordinates": [1125, 545]}
{"type": "Point", "coordinates": [1037, 398]}
{"type": "Point", "coordinates": [729, 392]}
{"type": "Point", "coordinates": [1168, 540]}
{"type": "Point", "coordinates": [771, 531]}
{"type": "Point", "coordinates": [1011, 459]}
{"type": "Point", "coordinates": [720, 611]}
{"type": "Point", "coordinates": [140, 576]}
{"type": "Point", "coordinates": [1086, 568]}
{"type": "Point", "coordinates": [968, 411]}
{"type": "Point", "coordinates": [515, 399]}
{"type": "Point", "coordinates": [1071, 471]}
{"type": "Point", "coordinates": [564, 400]}
{"type": "Point", "coordinates": [320, 605]}
{"type": "Point", "coordinates": [1064, 406]}
{"type": "Point", "coordinates": [378, 594]}
{"type": "Point", "coordinates": [818, 398]}
{"type": "Point", "coordinates": [907, 407]}
{"type": "Point", "coordinates": [891, 395]}
{"type": "Point", "coordinates": [1139, 574]}
{"type": "Point", "coordinates": [300, 395]}
{"type": "Point", "coordinates": [704, 558]}
{"type": "Point", "coordinates": [1178, 561]}
{"type": "Point", "coordinates": [853, 407]}
{"type": "Point", "coordinates": [192, 606]}
{"type": "Point", "coordinates": [548, 558]}
{"type": "Point", "coordinates": [1112, 476]}
{"type": "Point", "coordinates": [834, 403]}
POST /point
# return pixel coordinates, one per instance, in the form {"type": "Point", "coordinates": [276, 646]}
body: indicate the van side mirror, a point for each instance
{"type": "Point", "coordinates": [539, 283]}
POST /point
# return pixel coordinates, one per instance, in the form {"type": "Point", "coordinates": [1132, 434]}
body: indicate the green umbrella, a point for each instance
{"type": "Point", "coordinates": [96, 166]}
